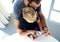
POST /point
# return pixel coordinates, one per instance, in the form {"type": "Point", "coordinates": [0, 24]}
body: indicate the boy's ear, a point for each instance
{"type": "Point", "coordinates": [22, 10]}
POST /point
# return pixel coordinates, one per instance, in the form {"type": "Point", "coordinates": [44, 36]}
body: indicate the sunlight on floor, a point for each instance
{"type": "Point", "coordinates": [2, 35]}
{"type": "Point", "coordinates": [17, 38]}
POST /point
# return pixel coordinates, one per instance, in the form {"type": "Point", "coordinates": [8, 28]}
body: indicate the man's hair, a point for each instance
{"type": "Point", "coordinates": [36, 1]}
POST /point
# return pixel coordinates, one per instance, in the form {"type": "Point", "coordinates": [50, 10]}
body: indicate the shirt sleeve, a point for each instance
{"type": "Point", "coordinates": [17, 12]}
{"type": "Point", "coordinates": [39, 9]}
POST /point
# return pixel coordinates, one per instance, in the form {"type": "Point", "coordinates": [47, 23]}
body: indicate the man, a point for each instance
{"type": "Point", "coordinates": [22, 22]}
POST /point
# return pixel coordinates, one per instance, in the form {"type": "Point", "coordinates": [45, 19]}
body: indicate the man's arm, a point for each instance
{"type": "Point", "coordinates": [42, 18]}
{"type": "Point", "coordinates": [40, 24]}
{"type": "Point", "coordinates": [21, 32]}
{"type": "Point", "coordinates": [43, 21]}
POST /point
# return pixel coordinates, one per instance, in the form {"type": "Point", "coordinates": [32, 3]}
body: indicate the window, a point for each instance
{"type": "Point", "coordinates": [55, 12]}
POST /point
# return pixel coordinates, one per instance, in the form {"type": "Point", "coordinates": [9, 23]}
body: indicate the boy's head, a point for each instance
{"type": "Point", "coordinates": [29, 14]}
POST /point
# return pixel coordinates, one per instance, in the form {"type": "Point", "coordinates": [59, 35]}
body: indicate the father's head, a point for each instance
{"type": "Point", "coordinates": [33, 3]}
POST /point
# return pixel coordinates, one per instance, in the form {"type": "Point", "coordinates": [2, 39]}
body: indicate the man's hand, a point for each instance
{"type": "Point", "coordinates": [46, 31]}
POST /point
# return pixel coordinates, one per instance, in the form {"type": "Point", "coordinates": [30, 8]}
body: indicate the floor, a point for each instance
{"type": "Point", "coordinates": [7, 31]}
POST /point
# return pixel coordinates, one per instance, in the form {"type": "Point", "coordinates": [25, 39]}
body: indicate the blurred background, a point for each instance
{"type": "Point", "coordinates": [50, 9]}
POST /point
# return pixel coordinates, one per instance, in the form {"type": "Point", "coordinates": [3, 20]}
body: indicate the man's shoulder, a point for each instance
{"type": "Point", "coordinates": [20, 4]}
{"type": "Point", "coordinates": [18, 1]}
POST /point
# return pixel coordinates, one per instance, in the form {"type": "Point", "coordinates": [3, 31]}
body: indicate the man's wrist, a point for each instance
{"type": "Point", "coordinates": [44, 27]}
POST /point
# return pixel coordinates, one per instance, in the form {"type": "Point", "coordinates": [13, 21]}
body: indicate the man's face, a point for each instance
{"type": "Point", "coordinates": [34, 5]}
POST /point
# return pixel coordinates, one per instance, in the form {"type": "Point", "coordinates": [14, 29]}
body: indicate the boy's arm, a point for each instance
{"type": "Point", "coordinates": [21, 32]}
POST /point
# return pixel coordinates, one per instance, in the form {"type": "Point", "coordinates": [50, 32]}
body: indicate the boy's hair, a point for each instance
{"type": "Point", "coordinates": [29, 14]}
{"type": "Point", "coordinates": [36, 1]}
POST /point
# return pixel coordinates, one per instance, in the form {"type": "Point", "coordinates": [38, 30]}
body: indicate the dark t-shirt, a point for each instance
{"type": "Point", "coordinates": [24, 25]}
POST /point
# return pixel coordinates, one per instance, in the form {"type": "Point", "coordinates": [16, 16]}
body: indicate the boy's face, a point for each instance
{"type": "Point", "coordinates": [34, 5]}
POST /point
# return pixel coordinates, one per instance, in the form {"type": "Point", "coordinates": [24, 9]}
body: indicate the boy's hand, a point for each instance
{"type": "Point", "coordinates": [31, 31]}
{"type": "Point", "coordinates": [32, 34]}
